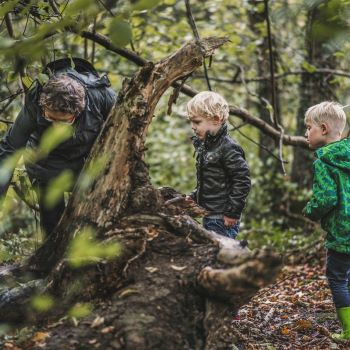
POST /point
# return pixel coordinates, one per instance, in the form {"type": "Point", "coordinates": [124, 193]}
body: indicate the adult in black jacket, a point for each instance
{"type": "Point", "coordinates": [77, 96]}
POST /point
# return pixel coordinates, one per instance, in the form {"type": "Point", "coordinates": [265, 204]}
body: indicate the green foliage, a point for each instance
{"type": "Point", "coordinates": [86, 250]}
{"type": "Point", "coordinates": [42, 302]}
{"type": "Point", "coordinates": [60, 184]}
{"type": "Point", "coordinates": [119, 31]}
{"type": "Point", "coordinates": [145, 5]}
{"type": "Point", "coordinates": [158, 28]}
{"type": "Point", "coordinates": [80, 310]}
{"type": "Point", "coordinates": [54, 136]}
{"type": "Point", "coordinates": [91, 171]}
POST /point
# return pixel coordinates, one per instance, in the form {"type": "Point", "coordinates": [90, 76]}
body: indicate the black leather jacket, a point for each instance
{"type": "Point", "coordinates": [223, 180]}
{"type": "Point", "coordinates": [30, 125]}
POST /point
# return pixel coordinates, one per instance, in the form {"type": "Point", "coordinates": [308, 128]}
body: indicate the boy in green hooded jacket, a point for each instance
{"type": "Point", "coordinates": [330, 201]}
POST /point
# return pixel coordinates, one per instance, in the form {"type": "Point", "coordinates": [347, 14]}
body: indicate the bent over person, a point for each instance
{"type": "Point", "coordinates": [77, 96]}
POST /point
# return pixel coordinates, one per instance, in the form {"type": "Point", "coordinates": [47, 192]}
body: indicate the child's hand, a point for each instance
{"type": "Point", "coordinates": [229, 222]}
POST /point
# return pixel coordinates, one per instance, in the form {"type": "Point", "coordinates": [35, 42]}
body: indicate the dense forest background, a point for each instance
{"type": "Point", "coordinates": [283, 56]}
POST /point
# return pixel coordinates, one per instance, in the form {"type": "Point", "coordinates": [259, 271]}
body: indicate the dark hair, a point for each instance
{"type": "Point", "coordinates": [63, 94]}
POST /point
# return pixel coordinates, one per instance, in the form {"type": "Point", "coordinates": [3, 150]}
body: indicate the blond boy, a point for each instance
{"type": "Point", "coordinates": [330, 201]}
{"type": "Point", "coordinates": [223, 180]}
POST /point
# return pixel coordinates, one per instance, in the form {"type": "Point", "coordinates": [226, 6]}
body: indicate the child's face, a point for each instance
{"type": "Point", "coordinates": [316, 135]}
{"type": "Point", "coordinates": [201, 125]}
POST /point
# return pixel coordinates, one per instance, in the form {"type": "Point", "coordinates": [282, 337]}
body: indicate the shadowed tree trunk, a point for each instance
{"type": "Point", "coordinates": [173, 285]}
{"type": "Point", "coordinates": [257, 18]}
{"type": "Point", "coordinates": [313, 89]}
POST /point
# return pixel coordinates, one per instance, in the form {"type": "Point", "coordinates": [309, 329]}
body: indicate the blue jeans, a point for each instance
{"type": "Point", "coordinates": [218, 226]}
{"type": "Point", "coordinates": [338, 274]}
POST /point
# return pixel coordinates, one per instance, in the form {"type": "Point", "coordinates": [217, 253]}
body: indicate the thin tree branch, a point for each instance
{"type": "Point", "coordinates": [9, 26]}
{"type": "Point", "coordinates": [196, 35]}
{"type": "Point", "coordinates": [106, 8]}
{"type": "Point", "coordinates": [186, 89]}
{"type": "Point", "coordinates": [260, 145]}
{"type": "Point", "coordinates": [21, 195]}
{"type": "Point", "coordinates": [93, 43]}
{"type": "Point", "coordinates": [55, 8]}
{"type": "Point", "coordinates": [277, 76]}
{"type": "Point", "coordinates": [272, 66]}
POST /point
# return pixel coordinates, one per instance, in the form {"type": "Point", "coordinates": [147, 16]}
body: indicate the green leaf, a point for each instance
{"type": "Point", "coordinates": [6, 7]}
{"type": "Point", "coordinates": [43, 78]}
{"type": "Point", "coordinates": [9, 165]}
{"type": "Point", "coordinates": [57, 187]}
{"type": "Point", "coordinates": [77, 6]}
{"type": "Point", "coordinates": [119, 32]}
{"type": "Point", "coordinates": [80, 310]}
{"type": "Point", "coordinates": [27, 81]}
{"type": "Point", "coordinates": [145, 5]}
{"type": "Point", "coordinates": [91, 172]}
{"type": "Point", "coordinates": [42, 303]}
{"type": "Point", "coordinates": [86, 250]}
{"type": "Point", "coordinates": [309, 67]}
{"type": "Point", "coordinates": [54, 136]}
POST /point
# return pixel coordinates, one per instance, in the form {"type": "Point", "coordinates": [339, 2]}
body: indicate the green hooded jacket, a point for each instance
{"type": "Point", "coordinates": [330, 201]}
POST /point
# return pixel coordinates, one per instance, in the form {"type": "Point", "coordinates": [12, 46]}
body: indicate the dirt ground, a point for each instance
{"type": "Point", "coordinates": [294, 313]}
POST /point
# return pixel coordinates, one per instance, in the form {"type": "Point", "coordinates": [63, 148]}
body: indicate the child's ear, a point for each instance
{"type": "Point", "coordinates": [324, 128]}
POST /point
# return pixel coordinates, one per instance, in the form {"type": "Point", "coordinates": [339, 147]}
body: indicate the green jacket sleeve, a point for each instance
{"type": "Point", "coordinates": [324, 192]}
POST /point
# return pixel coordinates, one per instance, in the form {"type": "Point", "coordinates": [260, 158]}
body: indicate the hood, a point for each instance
{"type": "Point", "coordinates": [78, 69]}
{"type": "Point", "coordinates": [336, 154]}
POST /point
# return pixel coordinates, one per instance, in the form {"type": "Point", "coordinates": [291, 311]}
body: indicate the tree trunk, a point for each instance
{"type": "Point", "coordinates": [173, 285]}
{"type": "Point", "coordinates": [257, 18]}
{"type": "Point", "coordinates": [314, 88]}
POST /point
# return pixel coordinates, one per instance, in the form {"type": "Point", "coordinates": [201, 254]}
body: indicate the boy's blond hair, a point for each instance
{"type": "Point", "coordinates": [208, 104]}
{"type": "Point", "coordinates": [329, 112]}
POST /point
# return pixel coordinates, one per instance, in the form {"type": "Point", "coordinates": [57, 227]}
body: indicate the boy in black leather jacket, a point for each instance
{"type": "Point", "coordinates": [223, 180]}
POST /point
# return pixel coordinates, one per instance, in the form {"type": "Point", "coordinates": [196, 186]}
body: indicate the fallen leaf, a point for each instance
{"type": "Point", "coordinates": [178, 268]}
{"type": "Point", "coordinates": [151, 269]}
{"type": "Point", "coordinates": [285, 330]}
{"type": "Point", "coordinates": [107, 329]}
{"type": "Point", "coordinates": [97, 322]}
{"type": "Point", "coordinates": [128, 292]}
{"type": "Point", "coordinates": [303, 324]}
{"type": "Point", "coordinates": [39, 337]}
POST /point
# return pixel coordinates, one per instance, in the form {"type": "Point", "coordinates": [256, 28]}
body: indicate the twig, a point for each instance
{"type": "Point", "coordinates": [93, 43]}
{"type": "Point", "coordinates": [23, 198]}
{"type": "Point", "coordinates": [55, 8]}
{"type": "Point", "coordinates": [277, 76]}
{"type": "Point", "coordinates": [260, 145]}
{"type": "Point", "coordinates": [196, 35]}
{"type": "Point", "coordinates": [106, 8]}
{"type": "Point", "coordinates": [9, 26]}
{"type": "Point", "coordinates": [272, 66]}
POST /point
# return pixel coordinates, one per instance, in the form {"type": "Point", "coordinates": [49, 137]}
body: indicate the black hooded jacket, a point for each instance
{"type": "Point", "coordinates": [30, 124]}
{"type": "Point", "coordinates": [223, 180]}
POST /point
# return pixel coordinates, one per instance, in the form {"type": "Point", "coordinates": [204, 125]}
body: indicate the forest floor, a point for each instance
{"type": "Point", "coordinates": [294, 313]}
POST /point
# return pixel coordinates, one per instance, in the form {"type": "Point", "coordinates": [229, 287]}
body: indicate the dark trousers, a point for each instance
{"type": "Point", "coordinates": [338, 275]}
{"type": "Point", "coordinates": [49, 215]}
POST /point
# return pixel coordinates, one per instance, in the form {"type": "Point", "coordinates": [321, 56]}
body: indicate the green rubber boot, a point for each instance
{"type": "Point", "coordinates": [344, 318]}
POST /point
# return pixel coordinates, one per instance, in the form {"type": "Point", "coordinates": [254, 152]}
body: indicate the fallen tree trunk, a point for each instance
{"type": "Point", "coordinates": [173, 284]}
